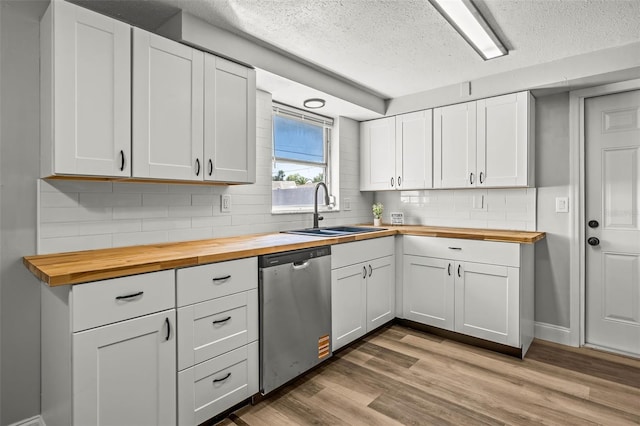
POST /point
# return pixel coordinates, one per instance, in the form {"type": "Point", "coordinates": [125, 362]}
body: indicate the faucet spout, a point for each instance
{"type": "Point", "coordinates": [316, 216]}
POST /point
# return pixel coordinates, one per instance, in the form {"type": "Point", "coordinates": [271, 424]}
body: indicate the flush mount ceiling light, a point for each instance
{"type": "Point", "coordinates": [314, 103]}
{"type": "Point", "coordinates": [467, 20]}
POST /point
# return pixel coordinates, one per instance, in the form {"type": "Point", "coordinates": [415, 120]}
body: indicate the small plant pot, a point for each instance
{"type": "Point", "coordinates": [377, 222]}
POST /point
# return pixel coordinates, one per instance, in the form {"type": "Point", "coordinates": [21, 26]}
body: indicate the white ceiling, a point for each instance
{"type": "Point", "coordinates": [400, 47]}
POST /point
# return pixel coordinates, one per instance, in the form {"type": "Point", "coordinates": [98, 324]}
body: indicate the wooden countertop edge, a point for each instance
{"type": "Point", "coordinates": [232, 248]}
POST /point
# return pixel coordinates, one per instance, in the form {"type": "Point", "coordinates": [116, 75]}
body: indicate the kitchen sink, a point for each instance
{"type": "Point", "coordinates": [333, 231]}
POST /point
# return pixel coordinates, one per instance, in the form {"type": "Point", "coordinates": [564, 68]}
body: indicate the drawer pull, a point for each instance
{"type": "Point", "coordinates": [223, 379]}
{"type": "Point", "coordinates": [226, 277]}
{"type": "Point", "coordinates": [166, 320]}
{"type": "Point", "coordinates": [130, 296]}
{"type": "Point", "coordinates": [455, 248]}
{"type": "Point", "coordinates": [222, 320]}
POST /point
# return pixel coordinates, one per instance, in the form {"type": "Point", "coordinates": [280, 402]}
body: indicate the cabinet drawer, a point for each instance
{"type": "Point", "coordinates": [108, 301]}
{"type": "Point", "coordinates": [209, 329]}
{"type": "Point", "coordinates": [206, 282]}
{"type": "Point", "coordinates": [361, 251]}
{"type": "Point", "coordinates": [458, 249]}
{"type": "Point", "coordinates": [207, 389]}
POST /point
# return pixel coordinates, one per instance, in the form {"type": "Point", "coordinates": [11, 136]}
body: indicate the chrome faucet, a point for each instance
{"type": "Point", "coordinates": [316, 216]}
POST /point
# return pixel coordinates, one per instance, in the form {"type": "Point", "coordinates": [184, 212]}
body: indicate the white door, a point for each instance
{"type": "Point", "coordinates": [229, 124]}
{"type": "Point", "coordinates": [381, 292]}
{"type": "Point", "coordinates": [612, 176]}
{"type": "Point", "coordinates": [454, 146]}
{"type": "Point", "coordinates": [348, 304]}
{"type": "Point", "coordinates": [92, 93]}
{"type": "Point", "coordinates": [377, 157]}
{"type": "Point", "coordinates": [502, 144]}
{"type": "Point", "coordinates": [125, 373]}
{"type": "Point", "coordinates": [487, 302]}
{"type": "Point", "coordinates": [428, 291]}
{"type": "Point", "coordinates": [414, 150]}
{"type": "Point", "coordinates": [168, 92]}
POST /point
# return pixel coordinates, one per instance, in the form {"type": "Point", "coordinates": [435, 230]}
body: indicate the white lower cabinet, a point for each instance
{"type": "Point", "coordinates": [217, 338]}
{"type": "Point", "coordinates": [362, 288]}
{"type": "Point", "coordinates": [479, 288]}
{"type": "Point", "coordinates": [117, 367]}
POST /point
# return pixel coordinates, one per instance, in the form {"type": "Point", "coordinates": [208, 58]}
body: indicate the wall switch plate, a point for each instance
{"type": "Point", "coordinates": [346, 204]}
{"type": "Point", "coordinates": [225, 203]}
{"type": "Point", "coordinates": [562, 205]}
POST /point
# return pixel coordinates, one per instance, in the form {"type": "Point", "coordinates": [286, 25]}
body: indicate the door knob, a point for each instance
{"type": "Point", "coordinates": [593, 224]}
{"type": "Point", "coordinates": [593, 241]}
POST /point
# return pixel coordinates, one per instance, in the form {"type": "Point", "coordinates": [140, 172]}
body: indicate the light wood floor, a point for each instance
{"type": "Point", "coordinates": [401, 376]}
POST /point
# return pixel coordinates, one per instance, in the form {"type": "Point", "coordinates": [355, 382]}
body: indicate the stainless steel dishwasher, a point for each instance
{"type": "Point", "coordinates": [295, 314]}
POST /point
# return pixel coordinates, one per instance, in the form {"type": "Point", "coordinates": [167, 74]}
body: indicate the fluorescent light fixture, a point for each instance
{"type": "Point", "coordinates": [468, 21]}
{"type": "Point", "coordinates": [314, 103]}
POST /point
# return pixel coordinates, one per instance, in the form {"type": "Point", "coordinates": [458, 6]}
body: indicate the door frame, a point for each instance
{"type": "Point", "coordinates": [577, 259]}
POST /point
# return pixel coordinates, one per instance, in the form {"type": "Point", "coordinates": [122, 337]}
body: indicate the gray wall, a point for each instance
{"type": "Point", "coordinates": [19, 155]}
{"type": "Point", "coordinates": [552, 180]}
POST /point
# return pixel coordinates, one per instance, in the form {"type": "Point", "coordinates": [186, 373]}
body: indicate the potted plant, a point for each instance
{"type": "Point", "coordinates": [377, 209]}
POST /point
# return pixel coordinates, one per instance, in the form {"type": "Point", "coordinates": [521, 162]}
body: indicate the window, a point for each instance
{"type": "Point", "coordinates": [301, 144]}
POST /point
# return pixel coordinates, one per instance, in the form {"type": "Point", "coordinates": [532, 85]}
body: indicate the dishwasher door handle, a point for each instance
{"type": "Point", "coordinates": [300, 265]}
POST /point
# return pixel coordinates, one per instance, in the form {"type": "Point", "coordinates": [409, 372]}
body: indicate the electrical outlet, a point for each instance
{"type": "Point", "coordinates": [346, 204]}
{"type": "Point", "coordinates": [562, 205]}
{"type": "Point", "coordinates": [225, 203]}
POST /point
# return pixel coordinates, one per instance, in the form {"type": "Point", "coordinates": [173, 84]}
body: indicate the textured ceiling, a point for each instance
{"type": "Point", "coordinates": [400, 47]}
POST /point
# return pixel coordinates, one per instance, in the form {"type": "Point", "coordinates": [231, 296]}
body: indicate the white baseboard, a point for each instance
{"type": "Point", "coordinates": [553, 333]}
{"type": "Point", "coordinates": [33, 421]}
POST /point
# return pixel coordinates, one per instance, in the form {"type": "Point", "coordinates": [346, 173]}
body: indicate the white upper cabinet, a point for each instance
{"type": "Point", "coordinates": [377, 154]}
{"type": "Point", "coordinates": [168, 92]}
{"type": "Point", "coordinates": [229, 121]}
{"type": "Point", "coordinates": [85, 93]}
{"type": "Point", "coordinates": [414, 142]}
{"type": "Point", "coordinates": [505, 155]}
{"type": "Point", "coordinates": [486, 143]}
{"type": "Point", "coordinates": [454, 146]}
{"type": "Point", "coordinates": [396, 152]}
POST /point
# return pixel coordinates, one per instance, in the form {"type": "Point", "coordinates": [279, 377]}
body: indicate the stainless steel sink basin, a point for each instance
{"type": "Point", "coordinates": [333, 231]}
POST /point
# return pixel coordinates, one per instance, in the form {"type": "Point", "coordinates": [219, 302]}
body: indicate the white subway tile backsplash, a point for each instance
{"type": "Point", "coordinates": [142, 188]}
{"type": "Point", "coordinates": [74, 214]}
{"type": "Point", "coordinates": [141, 212]}
{"type": "Point", "coordinates": [211, 221]}
{"type": "Point", "coordinates": [108, 227]}
{"type": "Point", "coordinates": [93, 199]}
{"type": "Point", "coordinates": [59, 199]}
{"type": "Point", "coordinates": [190, 234]}
{"type": "Point", "coordinates": [190, 211]}
{"type": "Point", "coordinates": [165, 223]}
{"type": "Point", "coordinates": [169, 199]}
{"type": "Point", "coordinates": [56, 185]}
{"type": "Point", "coordinates": [136, 238]}
{"type": "Point", "coordinates": [205, 199]}
{"type": "Point", "coordinates": [74, 243]}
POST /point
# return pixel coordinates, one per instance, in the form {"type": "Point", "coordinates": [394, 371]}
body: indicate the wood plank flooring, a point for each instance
{"type": "Point", "coordinates": [403, 376]}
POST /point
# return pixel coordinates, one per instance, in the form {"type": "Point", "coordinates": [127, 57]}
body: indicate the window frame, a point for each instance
{"type": "Point", "coordinates": [327, 124]}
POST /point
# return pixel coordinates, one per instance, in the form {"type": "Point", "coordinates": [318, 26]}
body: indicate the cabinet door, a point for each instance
{"type": "Point", "coordinates": [381, 292]}
{"type": "Point", "coordinates": [377, 154]}
{"type": "Point", "coordinates": [503, 136]}
{"type": "Point", "coordinates": [414, 146]}
{"type": "Point", "coordinates": [454, 146]}
{"type": "Point", "coordinates": [348, 304]}
{"type": "Point", "coordinates": [487, 302]}
{"type": "Point", "coordinates": [428, 291]}
{"type": "Point", "coordinates": [125, 373]}
{"type": "Point", "coordinates": [168, 91]}
{"type": "Point", "coordinates": [230, 121]}
{"type": "Point", "coordinates": [91, 92]}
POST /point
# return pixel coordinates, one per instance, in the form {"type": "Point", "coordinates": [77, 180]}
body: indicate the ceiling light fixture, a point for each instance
{"type": "Point", "coordinates": [314, 103]}
{"type": "Point", "coordinates": [467, 20]}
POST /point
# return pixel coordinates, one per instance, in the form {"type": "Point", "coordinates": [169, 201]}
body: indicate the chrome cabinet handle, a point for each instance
{"type": "Point", "coordinates": [392, 182]}
{"type": "Point", "coordinates": [130, 296]}
{"type": "Point", "coordinates": [197, 167]}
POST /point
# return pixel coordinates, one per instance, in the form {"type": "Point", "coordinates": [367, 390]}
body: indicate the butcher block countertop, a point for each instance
{"type": "Point", "coordinates": [91, 265]}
